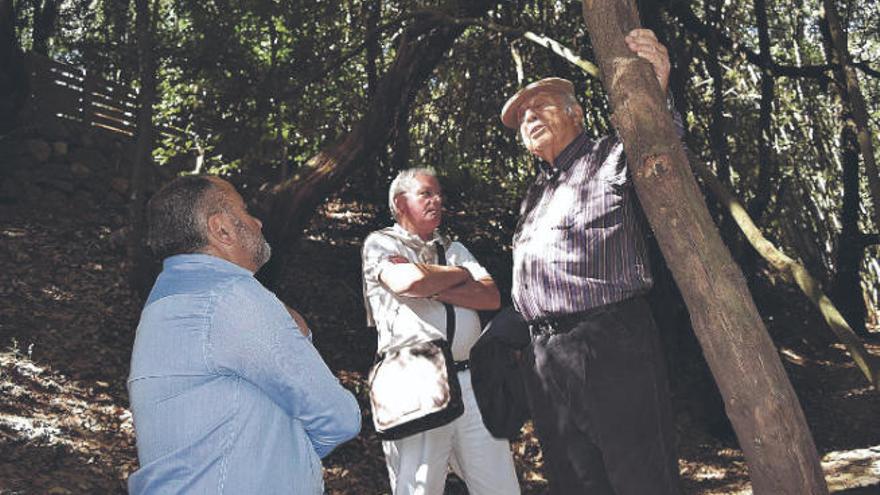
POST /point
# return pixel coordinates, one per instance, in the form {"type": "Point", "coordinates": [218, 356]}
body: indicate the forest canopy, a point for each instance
{"type": "Point", "coordinates": [781, 99]}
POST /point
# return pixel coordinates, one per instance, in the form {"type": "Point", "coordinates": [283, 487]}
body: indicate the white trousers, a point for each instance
{"type": "Point", "coordinates": [417, 465]}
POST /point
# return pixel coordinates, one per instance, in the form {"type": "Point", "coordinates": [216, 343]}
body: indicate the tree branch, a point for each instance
{"type": "Point", "coordinates": [512, 32]}
{"type": "Point", "coordinates": [792, 270]}
{"type": "Point", "coordinates": [868, 240]}
{"type": "Point", "coordinates": [695, 25]}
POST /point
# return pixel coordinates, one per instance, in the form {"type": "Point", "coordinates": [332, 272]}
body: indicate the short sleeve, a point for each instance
{"type": "Point", "coordinates": [466, 260]}
{"type": "Point", "coordinates": [377, 252]}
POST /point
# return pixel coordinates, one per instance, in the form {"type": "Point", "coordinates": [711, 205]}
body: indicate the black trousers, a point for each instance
{"type": "Point", "coordinates": [601, 407]}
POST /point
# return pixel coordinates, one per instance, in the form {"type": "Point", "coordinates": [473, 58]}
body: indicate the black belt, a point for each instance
{"type": "Point", "coordinates": [558, 324]}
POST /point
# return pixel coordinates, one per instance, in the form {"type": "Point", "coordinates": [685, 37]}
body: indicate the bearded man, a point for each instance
{"type": "Point", "coordinates": [227, 392]}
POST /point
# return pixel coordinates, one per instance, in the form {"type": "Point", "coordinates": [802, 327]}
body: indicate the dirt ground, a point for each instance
{"type": "Point", "coordinates": [67, 320]}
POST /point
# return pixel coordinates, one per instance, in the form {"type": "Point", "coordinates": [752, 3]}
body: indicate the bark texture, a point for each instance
{"type": "Point", "coordinates": [758, 397]}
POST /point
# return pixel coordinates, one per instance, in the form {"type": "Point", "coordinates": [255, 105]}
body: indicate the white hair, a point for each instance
{"type": "Point", "coordinates": [570, 104]}
{"type": "Point", "coordinates": [406, 182]}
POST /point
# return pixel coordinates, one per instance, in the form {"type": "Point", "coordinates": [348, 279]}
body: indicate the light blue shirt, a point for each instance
{"type": "Point", "coordinates": [227, 394]}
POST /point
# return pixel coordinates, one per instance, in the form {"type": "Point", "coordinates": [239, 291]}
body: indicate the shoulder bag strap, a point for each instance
{"type": "Point", "coordinates": [450, 311]}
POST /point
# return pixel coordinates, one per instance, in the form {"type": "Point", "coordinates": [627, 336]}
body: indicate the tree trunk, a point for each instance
{"type": "Point", "coordinates": [846, 287]}
{"type": "Point", "coordinates": [793, 271]}
{"type": "Point", "coordinates": [767, 162]}
{"type": "Point", "coordinates": [758, 397]}
{"type": "Point", "coordinates": [718, 124]}
{"type": "Point", "coordinates": [422, 46]}
{"type": "Point", "coordinates": [847, 280]}
{"type": "Point", "coordinates": [851, 94]}
{"type": "Point", "coordinates": [373, 13]}
{"type": "Point", "coordinates": [142, 269]}
{"type": "Point", "coordinates": [13, 80]}
{"type": "Point", "coordinates": [45, 14]}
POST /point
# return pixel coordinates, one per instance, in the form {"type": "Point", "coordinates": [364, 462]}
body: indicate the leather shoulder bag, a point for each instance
{"type": "Point", "coordinates": [414, 388]}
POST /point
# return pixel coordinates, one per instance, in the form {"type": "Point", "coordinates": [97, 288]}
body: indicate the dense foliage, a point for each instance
{"type": "Point", "coordinates": [258, 87]}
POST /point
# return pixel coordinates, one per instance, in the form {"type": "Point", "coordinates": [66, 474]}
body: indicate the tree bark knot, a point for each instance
{"type": "Point", "coordinates": [655, 166]}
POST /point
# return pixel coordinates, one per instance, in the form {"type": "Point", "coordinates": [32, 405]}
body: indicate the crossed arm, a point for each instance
{"type": "Point", "coordinates": [449, 284]}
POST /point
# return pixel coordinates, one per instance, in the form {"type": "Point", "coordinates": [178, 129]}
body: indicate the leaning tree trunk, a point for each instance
{"type": "Point", "coordinates": [758, 397]}
{"type": "Point", "coordinates": [794, 271]}
{"type": "Point", "coordinates": [422, 46]}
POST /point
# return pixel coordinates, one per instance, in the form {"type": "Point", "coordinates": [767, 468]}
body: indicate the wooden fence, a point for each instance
{"type": "Point", "coordinates": [59, 90]}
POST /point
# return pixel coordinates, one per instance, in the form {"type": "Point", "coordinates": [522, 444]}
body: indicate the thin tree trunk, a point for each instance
{"type": "Point", "coordinates": [717, 125]}
{"type": "Point", "coordinates": [717, 133]}
{"type": "Point", "coordinates": [141, 273]}
{"type": "Point", "coordinates": [400, 156]}
{"type": "Point", "coordinates": [373, 14]}
{"type": "Point", "coordinates": [422, 46]}
{"type": "Point", "coordinates": [851, 94]}
{"type": "Point", "coordinates": [768, 169]}
{"type": "Point", "coordinates": [13, 80]}
{"type": "Point", "coordinates": [758, 397]}
{"type": "Point", "coordinates": [795, 272]}
{"type": "Point", "coordinates": [847, 280]}
{"type": "Point", "coordinates": [45, 15]}
{"type": "Point", "coordinates": [846, 287]}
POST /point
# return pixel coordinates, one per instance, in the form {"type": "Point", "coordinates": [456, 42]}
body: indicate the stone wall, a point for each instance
{"type": "Point", "coordinates": [65, 161]}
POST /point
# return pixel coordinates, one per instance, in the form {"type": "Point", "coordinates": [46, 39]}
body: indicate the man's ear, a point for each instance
{"type": "Point", "coordinates": [578, 113]}
{"type": "Point", "coordinates": [400, 204]}
{"type": "Point", "coordinates": [220, 229]}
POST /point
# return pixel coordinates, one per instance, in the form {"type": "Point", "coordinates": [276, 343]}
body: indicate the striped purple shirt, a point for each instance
{"type": "Point", "coordinates": [580, 241]}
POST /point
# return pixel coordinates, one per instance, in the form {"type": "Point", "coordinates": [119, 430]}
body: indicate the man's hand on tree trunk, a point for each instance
{"type": "Point", "coordinates": [643, 42]}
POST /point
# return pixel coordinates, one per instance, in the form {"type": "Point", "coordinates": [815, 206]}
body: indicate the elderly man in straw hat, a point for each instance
{"type": "Point", "coordinates": [598, 389]}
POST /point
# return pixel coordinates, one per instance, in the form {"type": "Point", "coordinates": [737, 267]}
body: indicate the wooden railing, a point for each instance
{"type": "Point", "coordinates": [64, 91]}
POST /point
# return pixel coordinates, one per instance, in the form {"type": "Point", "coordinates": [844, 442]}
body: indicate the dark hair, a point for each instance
{"type": "Point", "coordinates": [177, 215]}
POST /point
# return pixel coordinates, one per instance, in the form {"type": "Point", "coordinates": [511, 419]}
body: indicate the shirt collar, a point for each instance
{"type": "Point", "coordinates": [575, 149]}
{"type": "Point", "coordinates": [414, 241]}
{"type": "Point", "coordinates": [196, 260]}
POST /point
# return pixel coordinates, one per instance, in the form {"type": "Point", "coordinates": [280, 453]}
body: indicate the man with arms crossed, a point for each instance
{"type": "Point", "coordinates": [598, 393]}
{"type": "Point", "coordinates": [227, 392]}
{"type": "Point", "coordinates": [405, 288]}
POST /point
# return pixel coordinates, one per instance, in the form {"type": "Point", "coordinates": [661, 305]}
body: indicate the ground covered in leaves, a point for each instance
{"type": "Point", "coordinates": [67, 319]}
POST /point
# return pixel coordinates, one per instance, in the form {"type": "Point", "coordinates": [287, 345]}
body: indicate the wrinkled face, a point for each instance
{"type": "Point", "coordinates": [251, 242]}
{"type": "Point", "coordinates": [421, 208]}
{"type": "Point", "coordinates": [545, 126]}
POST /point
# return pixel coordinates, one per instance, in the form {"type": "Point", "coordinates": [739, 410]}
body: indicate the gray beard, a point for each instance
{"type": "Point", "coordinates": [255, 243]}
{"type": "Point", "coordinates": [262, 253]}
